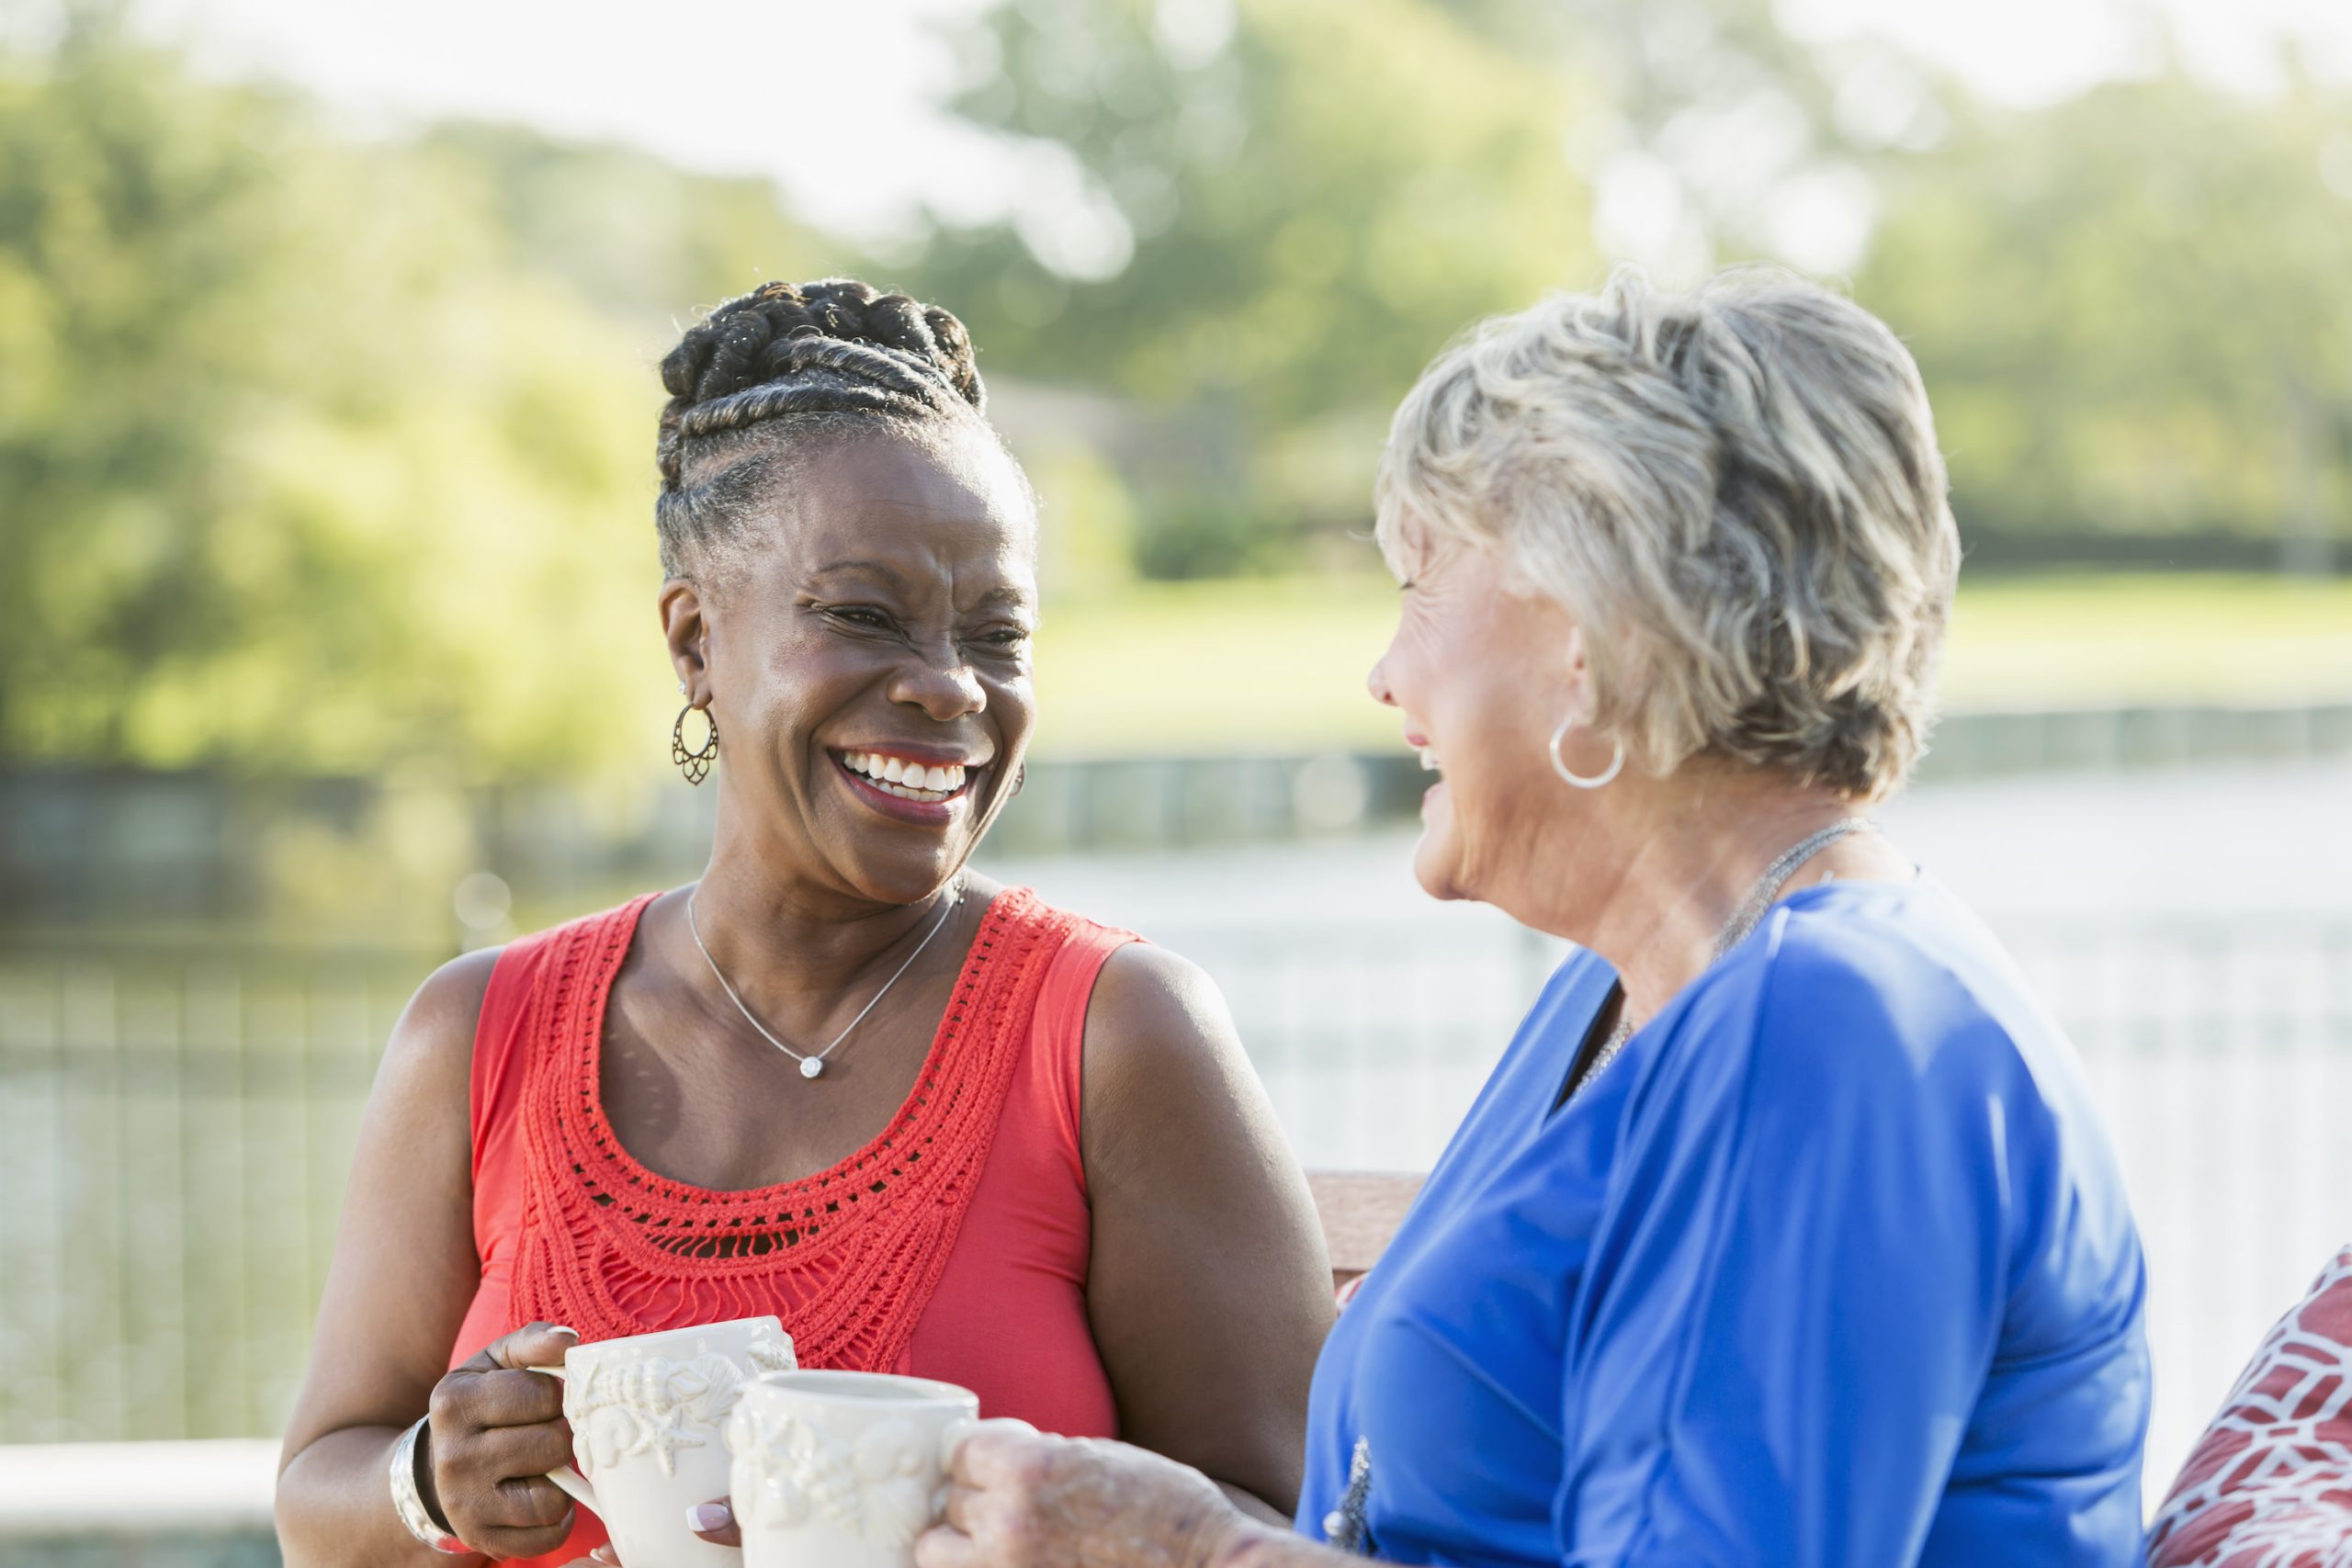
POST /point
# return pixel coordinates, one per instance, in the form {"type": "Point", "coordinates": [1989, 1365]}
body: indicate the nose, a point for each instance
{"type": "Point", "coordinates": [1376, 681]}
{"type": "Point", "coordinates": [945, 692]}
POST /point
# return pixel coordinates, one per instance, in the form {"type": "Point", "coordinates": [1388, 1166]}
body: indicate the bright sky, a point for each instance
{"type": "Point", "coordinates": [833, 99]}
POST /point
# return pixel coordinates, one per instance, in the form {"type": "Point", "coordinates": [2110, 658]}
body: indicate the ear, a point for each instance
{"type": "Point", "coordinates": [1579, 674]}
{"type": "Point", "coordinates": [685, 626]}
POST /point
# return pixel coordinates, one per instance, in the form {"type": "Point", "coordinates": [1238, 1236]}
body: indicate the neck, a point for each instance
{"type": "Point", "coordinates": [791, 944]}
{"type": "Point", "coordinates": [1682, 856]}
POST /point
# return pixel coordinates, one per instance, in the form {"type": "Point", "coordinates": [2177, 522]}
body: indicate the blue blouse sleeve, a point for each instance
{"type": "Point", "coordinates": [1797, 1286]}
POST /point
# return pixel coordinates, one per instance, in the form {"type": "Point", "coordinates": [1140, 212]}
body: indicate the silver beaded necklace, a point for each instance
{"type": "Point", "coordinates": [813, 1065]}
{"type": "Point", "coordinates": [1744, 921]}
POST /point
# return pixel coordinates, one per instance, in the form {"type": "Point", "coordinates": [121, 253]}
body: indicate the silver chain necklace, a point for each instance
{"type": "Point", "coordinates": [814, 1066]}
{"type": "Point", "coordinates": [1744, 921]}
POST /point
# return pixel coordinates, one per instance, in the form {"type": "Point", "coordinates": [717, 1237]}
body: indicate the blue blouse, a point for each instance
{"type": "Point", "coordinates": [1832, 1265]}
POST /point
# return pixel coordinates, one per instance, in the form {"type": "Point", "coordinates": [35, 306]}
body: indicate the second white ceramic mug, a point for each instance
{"type": "Point", "coordinates": [842, 1469]}
{"type": "Point", "coordinates": [649, 1415]}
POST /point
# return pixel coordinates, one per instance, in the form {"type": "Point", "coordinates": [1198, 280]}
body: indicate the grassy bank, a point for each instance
{"type": "Point", "coordinates": [1278, 665]}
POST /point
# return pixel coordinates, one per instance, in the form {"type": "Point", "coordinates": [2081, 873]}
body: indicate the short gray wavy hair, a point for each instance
{"type": "Point", "coordinates": [1735, 492]}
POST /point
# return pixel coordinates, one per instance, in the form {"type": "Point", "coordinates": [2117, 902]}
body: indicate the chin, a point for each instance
{"type": "Point", "coordinates": [1437, 866]}
{"type": "Point", "coordinates": [902, 879]}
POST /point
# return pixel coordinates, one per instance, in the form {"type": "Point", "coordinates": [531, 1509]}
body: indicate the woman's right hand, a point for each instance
{"type": "Point", "coordinates": [496, 1431]}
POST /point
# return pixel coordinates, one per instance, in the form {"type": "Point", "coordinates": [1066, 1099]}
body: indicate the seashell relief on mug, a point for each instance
{"type": "Point", "coordinates": [876, 1487]}
{"type": "Point", "coordinates": [660, 1407]}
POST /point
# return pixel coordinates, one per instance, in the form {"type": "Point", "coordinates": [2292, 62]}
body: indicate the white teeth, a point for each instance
{"type": "Point", "coordinates": [1429, 759]}
{"type": "Point", "coordinates": [908, 781]}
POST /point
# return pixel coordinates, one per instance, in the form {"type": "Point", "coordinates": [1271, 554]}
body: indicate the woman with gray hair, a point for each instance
{"type": "Point", "coordinates": [1785, 1233]}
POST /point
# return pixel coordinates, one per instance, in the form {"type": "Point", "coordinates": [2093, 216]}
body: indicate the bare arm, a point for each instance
{"type": "Point", "coordinates": [402, 1276]}
{"type": "Point", "coordinates": [1209, 1292]}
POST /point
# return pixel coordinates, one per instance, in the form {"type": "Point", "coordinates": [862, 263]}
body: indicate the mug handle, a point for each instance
{"type": "Point", "coordinates": [572, 1484]}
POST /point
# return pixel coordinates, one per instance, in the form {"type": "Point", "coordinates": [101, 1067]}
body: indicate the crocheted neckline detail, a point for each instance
{"type": "Point", "coordinates": [678, 1222]}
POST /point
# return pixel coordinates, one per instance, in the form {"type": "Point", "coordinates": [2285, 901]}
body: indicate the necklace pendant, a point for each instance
{"type": "Point", "coordinates": [811, 1066]}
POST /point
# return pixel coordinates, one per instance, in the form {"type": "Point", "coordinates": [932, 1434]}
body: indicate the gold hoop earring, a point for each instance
{"type": "Point", "coordinates": [696, 765]}
{"type": "Point", "coordinates": [1583, 781]}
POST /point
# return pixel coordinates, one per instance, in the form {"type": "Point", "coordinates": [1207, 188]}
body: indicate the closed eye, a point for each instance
{"type": "Point", "coordinates": [860, 615]}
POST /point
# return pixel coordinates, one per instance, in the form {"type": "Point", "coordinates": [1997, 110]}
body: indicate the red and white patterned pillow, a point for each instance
{"type": "Point", "coordinates": [2271, 1485]}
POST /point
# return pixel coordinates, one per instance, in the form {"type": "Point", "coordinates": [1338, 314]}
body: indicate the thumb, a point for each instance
{"type": "Point", "coordinates": [533, 1345]}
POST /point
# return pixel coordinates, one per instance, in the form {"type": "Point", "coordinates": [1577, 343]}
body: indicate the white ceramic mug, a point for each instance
{"type": "Point", "coordinates": [649, 1417]}
{"type": "Point", "coordinates": [842, 1469]}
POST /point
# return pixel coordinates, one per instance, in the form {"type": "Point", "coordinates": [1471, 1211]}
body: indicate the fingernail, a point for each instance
{"type": "Point", "coordinates": [703, 1517]}
{"type": "Point", "coordinates": [559, 1329]}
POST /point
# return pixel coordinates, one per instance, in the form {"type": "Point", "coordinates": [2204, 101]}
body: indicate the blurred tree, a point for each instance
{"type": "Point", "coordinates": [646, 242]}
{"type": "Point", "coordinates": [2134, 312]}
{"type": "Point", "coordinates": [1284, 205]}
{"type": "Point", "coordinates": [316, 457]}
{"type": "Point", "coordinates": [1720, 135]}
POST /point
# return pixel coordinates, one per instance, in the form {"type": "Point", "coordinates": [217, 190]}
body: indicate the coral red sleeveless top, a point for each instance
{"type": "Point", "coordinates": [954, 1246]}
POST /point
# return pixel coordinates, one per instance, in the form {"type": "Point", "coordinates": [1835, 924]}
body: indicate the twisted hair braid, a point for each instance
{"type": "Point", "coordinates": [795, 360]}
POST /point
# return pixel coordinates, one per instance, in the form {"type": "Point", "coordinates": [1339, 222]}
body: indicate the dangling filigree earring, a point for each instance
{"type": "Point", "coordinates": [1582, 781]}
{"type": "Point", "coordinates": [696, 765]}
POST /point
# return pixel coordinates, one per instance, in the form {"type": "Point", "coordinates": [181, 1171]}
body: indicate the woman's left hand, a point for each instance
{"type": "Point", "coordinates": [1018, 1499]}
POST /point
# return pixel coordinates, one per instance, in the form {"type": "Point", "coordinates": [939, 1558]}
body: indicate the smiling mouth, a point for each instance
{"type": "Point", "coordinates": [928, 783]}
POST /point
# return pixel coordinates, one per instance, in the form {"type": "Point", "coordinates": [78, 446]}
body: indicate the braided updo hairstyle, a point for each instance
{"type": "Point", "coordinates": [765, 378]}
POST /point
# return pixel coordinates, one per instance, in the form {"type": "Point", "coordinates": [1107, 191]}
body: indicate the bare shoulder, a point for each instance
{"type": "Point", "coordinates": [1164, 1065]}
{"type": "Point", "coordinates": [432, 1043]}
{"type": "Point", "coordinates": [1157, 1016]}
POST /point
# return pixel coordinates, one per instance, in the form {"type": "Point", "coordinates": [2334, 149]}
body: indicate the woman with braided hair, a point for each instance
{"type": "Point", "coordinates": [932, 1124]}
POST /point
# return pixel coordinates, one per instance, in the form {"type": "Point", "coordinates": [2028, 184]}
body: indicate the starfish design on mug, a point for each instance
{"type": "Point", "coordinates": [657, 1406]}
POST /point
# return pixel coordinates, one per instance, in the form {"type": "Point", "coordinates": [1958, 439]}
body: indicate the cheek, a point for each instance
{"type": "Point", "coordinates": [1499, 785]}
{"type": "Point", "coordinates": [1012, 706]}
{"type": "Point", "coordinates": [806, 676]}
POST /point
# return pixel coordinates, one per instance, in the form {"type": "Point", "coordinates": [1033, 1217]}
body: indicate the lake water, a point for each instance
{"type": "Point", "coordinates": [2192, 930]}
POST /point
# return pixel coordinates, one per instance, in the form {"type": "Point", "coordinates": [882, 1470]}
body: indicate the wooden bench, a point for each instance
{"type": "Point", "coordinates": [1360, 1210]}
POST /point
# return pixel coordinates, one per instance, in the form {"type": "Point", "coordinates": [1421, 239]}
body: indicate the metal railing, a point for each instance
{"type": "Point", "coordinates": [175, 1129]}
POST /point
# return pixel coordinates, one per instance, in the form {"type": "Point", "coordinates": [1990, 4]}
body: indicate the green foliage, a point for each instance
{"type": "Point", "coordinates": [1316, 205]}
{"type": "Point", "coordinates": [643, 241]}
{"type": "Point", "coordinates": [321, 456]}
{"type": "Point", "coordinates": [317, 458]}
{"type": "Point", "coordinates": [2133, 311]}
{"type": "Point", "coordinates": [1188, 537]}
{"type": "Point", "coordinates": [1088, 540]}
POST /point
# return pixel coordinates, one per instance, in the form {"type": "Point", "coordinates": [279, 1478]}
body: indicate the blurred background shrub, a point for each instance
{"type": "Point", "coordinates": [313, 444]}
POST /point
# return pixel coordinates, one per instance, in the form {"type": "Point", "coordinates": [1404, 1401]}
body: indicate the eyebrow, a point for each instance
{"type": "Point", "coordinates": [871, 568]}
{"type": "Point", "coordinates": [1009, 597]}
